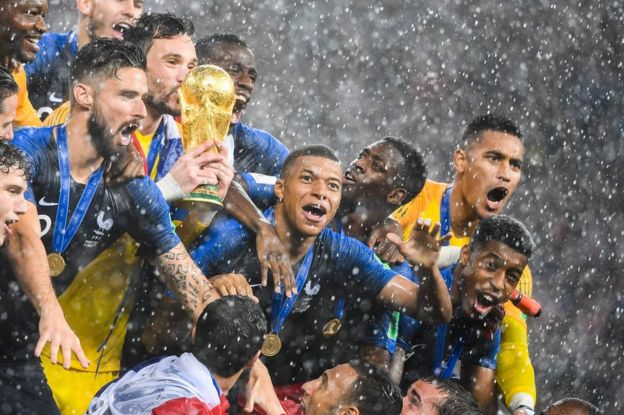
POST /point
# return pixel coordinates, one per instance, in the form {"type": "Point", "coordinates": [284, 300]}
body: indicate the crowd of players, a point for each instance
{"type": "Point", "coordinates": [165, 309]}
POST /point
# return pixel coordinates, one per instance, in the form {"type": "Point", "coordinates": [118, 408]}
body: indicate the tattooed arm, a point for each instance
{"type": "Point", "coordinates": [186, 280]}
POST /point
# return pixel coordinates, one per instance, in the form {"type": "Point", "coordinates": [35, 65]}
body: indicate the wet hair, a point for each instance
{"type": "Point", "coordinates": [568, 404]}
{"type": "Point", "coordinates": [152, 26]}
{"type": "Point", "coordinates": [12, 158]}
{"type": "Point", "coordinates": [492, 122]}
{"type": "Point", "coordinates": [373, 392]}
{"type": "Point", "coordinates": [316, 151]}
{"type": "Point", "coordinates": [504, 229]}
{"type": "Point", "coordinates": [206, 47]}
{"type": "Point", "coordinates": [8, 86]}
{"type": "Point", "coordinates": [105, 57]}
{"type": "Point", "coordinates": [229, 334]}
{"type": "Point", "coordinates": [412, 173]}
{"type": "Point", "coordinates": [458, 400]}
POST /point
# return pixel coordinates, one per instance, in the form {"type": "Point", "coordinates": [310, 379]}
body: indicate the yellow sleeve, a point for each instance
{"type": "Point", "coordinates": [26, 114]}
{"type": "Point", "coordinates": [58, 116]}
{"type": "Point", "coordinates": [514, 371]}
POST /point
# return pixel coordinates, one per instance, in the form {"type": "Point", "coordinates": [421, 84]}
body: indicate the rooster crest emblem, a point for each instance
{"type": "Point", "coordinates": [105, 225]}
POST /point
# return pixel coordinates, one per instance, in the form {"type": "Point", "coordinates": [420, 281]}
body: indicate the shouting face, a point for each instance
{"type": "Point", "coordinates": [310, 191]}
{"type": "Point", "coordinates": [109, 18]}
{"type": "Point", "coordinates": [21, 26]}
{"type": "Point", "coordinates": [117, 110]}
{"type": "Point", "coordinates": [239, 62]}
{"type": "Point", "coordinates": [488, 171]}
{"type": "Point", "coordinates": [489, 275]}
{"type": "Point", "coordinates": [372, 175]}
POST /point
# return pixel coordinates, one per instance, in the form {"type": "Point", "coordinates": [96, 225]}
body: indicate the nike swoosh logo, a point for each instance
{"type": "Point", "coordinates": [42, 202]}
{"type": "Point", "coordinates": [54, 98]}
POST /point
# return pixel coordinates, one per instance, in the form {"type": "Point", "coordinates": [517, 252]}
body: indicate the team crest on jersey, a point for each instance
{"type": "Point", "coordinates": [104, 224]}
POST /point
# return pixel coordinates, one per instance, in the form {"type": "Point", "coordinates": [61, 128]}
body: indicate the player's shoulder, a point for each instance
{"type": "Point", "coordinates": [52, 43]}
{"type": "Point", "coordinates": [32, 137]}
{"type": "Point", "coordinates": [245, 132]}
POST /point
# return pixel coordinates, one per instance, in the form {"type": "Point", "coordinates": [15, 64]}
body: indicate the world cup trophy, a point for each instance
{"type": "Point", "coordinates": [207, 99]}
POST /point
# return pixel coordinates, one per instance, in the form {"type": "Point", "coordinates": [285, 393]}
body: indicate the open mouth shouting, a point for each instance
{"type": "Point", "coordinates": [126, 132]}
{"type": "Point", "coordinates": [485, 302]}
{"type": "Point", "coordinates": [120, 29]}
{"type": "Point", "coordinates": [242, 99]}
{"type": "Point", "coordinates": [348, 177]}
{"type": "Point", "coordinates": [495, 198]}
{"type": "Point", "coordinates": [314, 212]}
{"type": "Point", "coordinates": [7, 226]}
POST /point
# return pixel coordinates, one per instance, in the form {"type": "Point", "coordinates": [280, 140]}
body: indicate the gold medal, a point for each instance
{"type": "Point", "coordinates": [272, 345]}
{"type": "Point", "coordinates": [56, 264]}
{"type": "Point", "coordinates": [332, 327]}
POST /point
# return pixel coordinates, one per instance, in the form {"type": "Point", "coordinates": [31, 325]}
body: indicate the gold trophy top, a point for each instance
{"type": "Point", "coordinates": [207, 98]}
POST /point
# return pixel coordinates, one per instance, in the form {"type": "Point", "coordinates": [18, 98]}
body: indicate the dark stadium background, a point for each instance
{"type": "Point", "coordinates": [346, 73]}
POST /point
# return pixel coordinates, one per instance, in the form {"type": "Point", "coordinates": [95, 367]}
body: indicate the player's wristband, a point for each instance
{"type": "Point", "coordinates": [170, 189]}
{"type": "Point", "coordinates": [522, 401]}
{"type": "Point", "coordinates": [526, 409]}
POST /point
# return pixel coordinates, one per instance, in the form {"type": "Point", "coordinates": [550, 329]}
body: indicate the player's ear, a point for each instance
{"type": "Point", "coordinates": [278, 189]}
{"type": "Point", "coordinates": [397, 196]}
{"type": "Point", "coordinates": [349, 410]}
{"type": "Point", "coordinates": [464, 254]}
{"type": "Point", "coordinates": [83, 95]}
{"type": "Point", "coordinates": [85, 7]}
{"type": "Point", "coordinates": [459, 160]}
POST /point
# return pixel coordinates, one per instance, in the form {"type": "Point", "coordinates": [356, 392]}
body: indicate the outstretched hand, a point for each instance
{"type": "Point", "coordinates": [273, 256]}
{"type": "Point", "coordinates": [53, 328]}
{"type": "Point", "coordinates": [386, 250]}
{"type": "Point", "coordinates": [422, 249]}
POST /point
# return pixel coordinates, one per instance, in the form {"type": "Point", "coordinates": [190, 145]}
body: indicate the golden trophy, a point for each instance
{"type": "Point", "coordinates": [207, 99]}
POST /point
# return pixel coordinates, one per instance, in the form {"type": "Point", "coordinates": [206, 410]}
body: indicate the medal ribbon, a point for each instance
{"type": "Point", "coordinates": [280, 310]}
{"type": "Point", "coordinates": [445, 213]}
{"type": "Point", "coordinates": [340, 308]}
{"type": "Point", "coordinates": [63, 232]}
{"type": "Point", "coordinates": [442, 369]}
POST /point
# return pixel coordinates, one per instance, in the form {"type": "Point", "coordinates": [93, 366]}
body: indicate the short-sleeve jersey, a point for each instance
{"type": "Point", "coordinates": [342, 267]}
{"type": "Point", "coordinates": [26, 115]}
{"type": "Point", "coordinates": [48, 74]}
{"type": "Point", "coordinates": [136, 207]}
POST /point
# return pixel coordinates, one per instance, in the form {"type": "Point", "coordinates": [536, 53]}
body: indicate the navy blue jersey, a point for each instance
{"type": "Point", "coordinates": [257, 151]}
{"type": "Point", "coordinates": [48, 74]}
{"type": "Point", "coordinates": [342, 268]}
{"type": "Point", "coordinates": [136, 207]}
{"type": "Point", "coordinates": [420, 340]}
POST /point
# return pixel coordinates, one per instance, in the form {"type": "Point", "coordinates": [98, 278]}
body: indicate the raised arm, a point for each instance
{"type": "Point", "coordinates": [27, 255]}
{"type": "Point", "coordinates": [186, 280]}
{"type": "Point", "coordinates": [432, 303]}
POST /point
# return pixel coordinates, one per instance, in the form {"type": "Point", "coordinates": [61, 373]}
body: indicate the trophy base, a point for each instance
{"type": "Point", "coordinates": [204, 197]}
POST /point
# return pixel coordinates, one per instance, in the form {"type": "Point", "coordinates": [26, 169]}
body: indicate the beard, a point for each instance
{"type": "Point", "coordinates": [101, 136]}
{"type": "Point", "coordinates": [161, 103]}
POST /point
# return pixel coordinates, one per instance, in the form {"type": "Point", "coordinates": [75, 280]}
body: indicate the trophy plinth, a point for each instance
{"type": "Point", "coordinates": [207, 98]}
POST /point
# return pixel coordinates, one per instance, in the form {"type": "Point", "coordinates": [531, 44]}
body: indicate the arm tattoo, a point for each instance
{"type": "Point", "coordinates": [185, 279]}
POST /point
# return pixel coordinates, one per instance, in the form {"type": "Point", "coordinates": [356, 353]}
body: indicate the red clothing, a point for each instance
{"type": "Point", "coordinates": [190, 406]}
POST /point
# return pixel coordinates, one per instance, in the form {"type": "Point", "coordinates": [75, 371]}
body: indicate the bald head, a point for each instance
{"type": "Point", "coordinates": [572, 406]}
